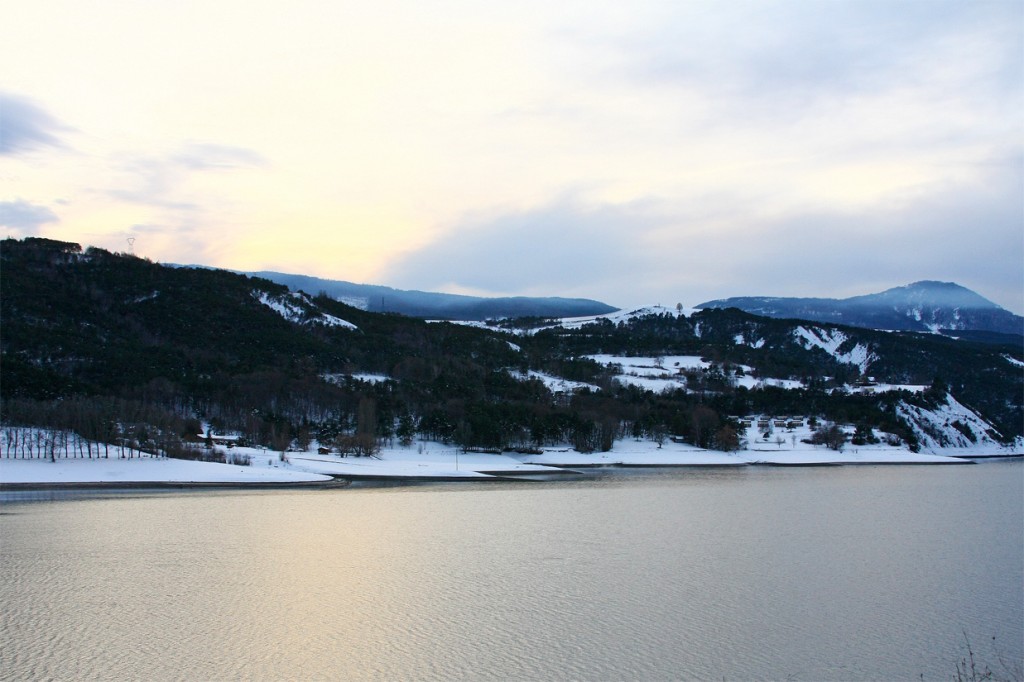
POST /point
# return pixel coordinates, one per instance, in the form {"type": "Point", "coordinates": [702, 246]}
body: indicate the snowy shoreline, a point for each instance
{"type": "Point", "coordinates": [428, 461]}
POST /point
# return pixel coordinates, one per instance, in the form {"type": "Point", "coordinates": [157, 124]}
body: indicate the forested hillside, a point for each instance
{"type": "Point", "coordinates": [118, 348]}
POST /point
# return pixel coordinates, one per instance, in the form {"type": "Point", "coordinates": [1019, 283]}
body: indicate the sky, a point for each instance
{"type": "Point", "coordinates": [635, 153]}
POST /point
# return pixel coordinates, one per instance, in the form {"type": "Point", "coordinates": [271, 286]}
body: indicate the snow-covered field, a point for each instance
{"type": "Point", "coordinates": [145, 470]}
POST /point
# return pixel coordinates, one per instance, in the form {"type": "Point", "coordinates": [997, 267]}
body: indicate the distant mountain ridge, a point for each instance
{"type": "Point", "coordinates": [926, 306]}
{"type": "Point", "coordinates": [377, 299]}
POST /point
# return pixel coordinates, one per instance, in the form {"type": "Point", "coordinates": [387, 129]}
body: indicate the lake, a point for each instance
{"type": "Point", "coordinates": [831, 573]}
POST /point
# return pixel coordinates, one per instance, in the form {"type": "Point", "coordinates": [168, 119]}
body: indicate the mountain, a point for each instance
{"type": "Point", "coordinates": [943, 307]}
{"type": "Point", "coordinates": [437, 306]}
{"type": "Point", "coordinates": [118, 348]}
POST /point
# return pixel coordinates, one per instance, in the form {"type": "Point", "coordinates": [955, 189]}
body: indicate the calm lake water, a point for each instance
{"type": "Point", "coordinates": [839, 573]}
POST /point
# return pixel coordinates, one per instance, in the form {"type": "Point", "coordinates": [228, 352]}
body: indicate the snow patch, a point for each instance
{"type": "Point", "coordinates": [367, 377]}
{"type": "Point", "coordinates": [1013, 361]}
{"type": "Point", "coordinates": [830, 340]}
{"type": "Point", "coordinates": [741, 340]}
{"type": "Point", "coordinates": [297, 308]}
{"type": "Point", "coordinates": [753, 383]}
{"type": "Point", "coordinates": [652, 366]}
{"type": "Point", "coordinates": [553, 383]}
{"type": "Point", "coordinates": [282, 306]}
{"type": "Point", "coordinates": [332, 321]}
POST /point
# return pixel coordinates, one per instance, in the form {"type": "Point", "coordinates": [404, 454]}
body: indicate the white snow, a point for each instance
{"type": "Point", "coordinates": [297, 308]}
{"type": "Point", "coordinates": [936, 433]}
{"type": "Point", "coordinates": [652, 384]}
{"type": "Point", "coordinates": [1013, 361]}
{"type": "Point", "coordinates": [652, 366]}
{"type": "Point", "coordinates": [752, 383]}
{"type": "Point", "coordinates": [144, 470]}
{"type": "Point", "coordinates": [830, 340]}
{"type": "Point", "coordinates": [332, 321]}
{"type": "Point", "coordinates": [624, 316]}
{"type": "Point", "coordinates": [428, 461]}
{"type": "Point", "coordinates": [368, 377]}
{"type": "Point", "coordinates": [282, 306]}
{"type": "Point", "coordinates": [741, 340]}
{"type": "Point", "coordinates": [360, 302]}
{"type": "Point", "coordinates": [578, 322]}
{"type": "Point", "coordinates": [785, 446]}
{"type": "Point", "coordinates": [941, 443]}
{"type": "Point", "coordinates": [553, 383]}
{"type": "Point", "coordinates": [629, 452]}
{"type": "Point", "coordinates": [657, 374]}
{"type": "Point", "coordinates": [667, 372]}
{"type": "Point", "coordinates": [371, 378]}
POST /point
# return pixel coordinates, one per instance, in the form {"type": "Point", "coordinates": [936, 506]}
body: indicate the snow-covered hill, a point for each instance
{"type": "Point", "coordinates": [953, 426]}
{"type": "Point", "coordinates": [921, 306]}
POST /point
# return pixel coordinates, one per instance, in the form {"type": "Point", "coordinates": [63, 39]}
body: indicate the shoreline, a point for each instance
{"type": "Point", "coordinates": [171, 485]}
{"type": "Point", "coordinates": [430, 461]}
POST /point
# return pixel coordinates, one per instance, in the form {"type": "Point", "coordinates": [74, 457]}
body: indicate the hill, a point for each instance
{"type": "Point", "coordinates": [119, 349]}
{"type": "Point", "coordinates": [437, 306]}
{"type": "Point", "coordinates": [943, 307]}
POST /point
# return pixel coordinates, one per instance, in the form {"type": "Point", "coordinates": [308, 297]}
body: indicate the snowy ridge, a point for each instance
{"type": "Point", "coordinates": [953, 425]}
{"type": "Point", "coordinates": [830, 341]}
{"type": "Point", "coordinates": [578, 322]}
{"type": "Point", "coordinates": [1013, 361]}
{"type": "Point", "coordinates": [623, 316]}
{"type": "Point", "coordinates": [299, 309]}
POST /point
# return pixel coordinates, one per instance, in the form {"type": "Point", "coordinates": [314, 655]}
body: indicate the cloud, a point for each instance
{"type": "Point", "coordinates": [560, 247]}
{"type": "Point", "coordinates": [158, 180]}
{"type": "Point", "coordinates": [969, 233]}
{"type": "Point", "coordinates": [24, 126]}
{"type": "Point", "coordinates": [204, 156]}
{"type": "Point", "coordinates": [716, 245]}
{"type": "Point", "coordinates": [25, 217]}
{"type": "Point", "coordinates": [789, 50]}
